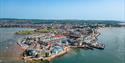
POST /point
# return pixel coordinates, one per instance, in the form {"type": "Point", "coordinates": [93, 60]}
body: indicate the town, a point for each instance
{"type": "Point", "coordinates": [51, 41]}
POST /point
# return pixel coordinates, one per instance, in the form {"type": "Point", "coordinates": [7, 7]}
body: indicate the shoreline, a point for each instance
{"type": "Point", "coordinates": [66, 50]}
{"type": "Point", "coordinates": [100, 53]}
{"type": "Point", "coordinates": [52, 45]}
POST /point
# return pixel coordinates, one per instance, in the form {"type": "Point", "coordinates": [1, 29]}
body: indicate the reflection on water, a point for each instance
{"type": "Point", "coordinates": [113, 38]}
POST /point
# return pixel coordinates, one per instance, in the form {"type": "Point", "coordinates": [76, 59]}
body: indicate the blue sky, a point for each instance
{"type": "Point", "coordinates": [63, 9]}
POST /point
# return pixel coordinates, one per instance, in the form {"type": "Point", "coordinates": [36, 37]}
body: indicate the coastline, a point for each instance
{"type": "Point", "coordinates": [20, 58]}
{"type": "Point", "coordinates": [66, 50]}
{"type": "Point", "coordinates": [36, 40]}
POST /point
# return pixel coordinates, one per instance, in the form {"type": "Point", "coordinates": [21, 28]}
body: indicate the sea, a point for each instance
{"type": "Point", "coordinates": [113, 38]}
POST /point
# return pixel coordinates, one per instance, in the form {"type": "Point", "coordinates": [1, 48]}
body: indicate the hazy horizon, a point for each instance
{"type": "Point", "coordinates": [63, 9]}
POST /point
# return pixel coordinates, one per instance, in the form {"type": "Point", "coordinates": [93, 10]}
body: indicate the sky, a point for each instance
{"type": "Point", "coordinates": [63, 9]}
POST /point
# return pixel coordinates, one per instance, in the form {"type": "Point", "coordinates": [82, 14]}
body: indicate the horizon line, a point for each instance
{"type": "Point", "coordinates": [63, 19]}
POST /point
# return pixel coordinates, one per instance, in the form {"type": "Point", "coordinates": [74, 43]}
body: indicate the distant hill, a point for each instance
{"type": "Point", "coordinates": [43, 21]}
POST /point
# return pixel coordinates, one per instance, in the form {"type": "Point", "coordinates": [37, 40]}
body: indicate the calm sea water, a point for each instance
{"type": "Point", "coordinates": [113, 38]}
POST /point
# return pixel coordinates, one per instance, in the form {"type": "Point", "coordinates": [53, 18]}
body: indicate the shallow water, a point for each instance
{"type": "Point", "coordinates": [113, 38]}
{"type": "Point", "coordinates": [9, 51]}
